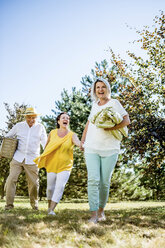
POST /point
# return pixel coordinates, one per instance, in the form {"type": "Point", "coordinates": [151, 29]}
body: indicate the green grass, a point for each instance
{"type": "Point", "coordinates": [128, 225]}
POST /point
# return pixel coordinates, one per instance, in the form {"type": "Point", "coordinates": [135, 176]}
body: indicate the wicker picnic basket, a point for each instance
{"type": "Point", "coordinates": [8, 147]}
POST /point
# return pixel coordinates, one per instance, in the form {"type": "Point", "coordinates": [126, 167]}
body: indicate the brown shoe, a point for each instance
{"type": "Point", "coordinates": [8, 207]}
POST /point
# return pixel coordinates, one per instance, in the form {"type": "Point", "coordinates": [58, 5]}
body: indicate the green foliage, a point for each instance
{"type": "Point", "coordinates": [14, 115]}
{"type": "Point", "coordinates": [77, 184]}
{"type": "Point", "coordinates": [126, 185]}
{"type": "Point", "coordinates": [143, 93]}
{"type": "Point", "coordinates": [4, 168]}
{"type": "Point", "coordinates": [43, 183]}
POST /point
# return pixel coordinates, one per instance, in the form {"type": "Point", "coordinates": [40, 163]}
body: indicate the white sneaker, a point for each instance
{"type": "Point", "coordinates": [51, 213]}
{"type": "Point", "coordinates": [93, 220]}
{"type": "Point", "coordinates": [102, 217]}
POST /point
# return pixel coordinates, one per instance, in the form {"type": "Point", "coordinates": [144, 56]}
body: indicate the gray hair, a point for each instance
{"type": "Point", "coordinates": [93, 94]}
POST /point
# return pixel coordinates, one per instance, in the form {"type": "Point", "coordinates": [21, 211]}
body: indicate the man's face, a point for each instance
{"type": "Point", "coordinates": [31, 119]}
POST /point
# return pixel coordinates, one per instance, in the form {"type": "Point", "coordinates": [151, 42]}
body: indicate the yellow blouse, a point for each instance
{"type": "Point", "coordinates": [58, 154]}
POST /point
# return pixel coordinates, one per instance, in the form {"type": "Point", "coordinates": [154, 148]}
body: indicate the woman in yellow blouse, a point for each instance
{"type": "Point", "coordinates": [57, 158]}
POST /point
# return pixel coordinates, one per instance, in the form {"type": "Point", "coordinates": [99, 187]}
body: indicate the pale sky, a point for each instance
{"type": "Point", "coordinates": [49, 45]}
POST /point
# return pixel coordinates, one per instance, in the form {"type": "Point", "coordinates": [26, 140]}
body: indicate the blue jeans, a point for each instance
{"type": "Point", "coordinates": [99, 176]}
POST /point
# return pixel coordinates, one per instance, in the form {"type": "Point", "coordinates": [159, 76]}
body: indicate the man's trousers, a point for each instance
{"type": "Point", "coordinates": [31, 171]}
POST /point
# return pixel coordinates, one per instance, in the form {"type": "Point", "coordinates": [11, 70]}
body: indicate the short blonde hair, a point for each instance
{"type": "Point", "coordinates": [93, 88]}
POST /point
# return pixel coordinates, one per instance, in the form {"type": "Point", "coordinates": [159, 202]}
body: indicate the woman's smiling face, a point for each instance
{"type": "Point", "coordinates": [101, 90]}
{"type": "Point", "coordinates": [64, 120]}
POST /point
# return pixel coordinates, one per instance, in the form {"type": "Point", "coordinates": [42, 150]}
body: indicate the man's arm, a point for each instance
{"type": "Point", "coordinates": [43, 137]}
{"type": "Point", "coordinates": [12, 132]}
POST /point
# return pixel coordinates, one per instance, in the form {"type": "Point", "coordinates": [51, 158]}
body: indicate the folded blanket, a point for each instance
{"type": "Point", "coordinates": [107, 118]}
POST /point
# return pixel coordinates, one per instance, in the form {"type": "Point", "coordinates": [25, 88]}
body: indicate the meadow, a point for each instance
{"type": "Point", "coordinates": [128, 225]}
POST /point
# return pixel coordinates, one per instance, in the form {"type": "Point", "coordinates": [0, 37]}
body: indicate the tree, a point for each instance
{"type": "Point", "coordinates": [144, 95]}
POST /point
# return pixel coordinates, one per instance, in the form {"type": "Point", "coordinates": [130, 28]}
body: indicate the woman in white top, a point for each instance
{"type": "Point", "coordinates": [101, 149]}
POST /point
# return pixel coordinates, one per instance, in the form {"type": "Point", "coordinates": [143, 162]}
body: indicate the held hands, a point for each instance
{"type": "Point", "coordinates": [77, 142]}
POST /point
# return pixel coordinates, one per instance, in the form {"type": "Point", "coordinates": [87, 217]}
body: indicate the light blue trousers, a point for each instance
{"type": "Point", "coordinates": [100, 171]}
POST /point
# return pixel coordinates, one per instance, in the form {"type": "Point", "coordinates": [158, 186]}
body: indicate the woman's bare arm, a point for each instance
{"type": "Point", "coordinates": [84, 132]}
{"type": "Point", "coordinates": [125, 122]}
{"type": "Point", "coordinates": [76, 140]}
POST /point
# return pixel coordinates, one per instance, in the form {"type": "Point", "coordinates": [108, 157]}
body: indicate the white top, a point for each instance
{"type": "Point", "coordinates": [29, 140]}
{"type": "Point", "coordinates": [97, 139]}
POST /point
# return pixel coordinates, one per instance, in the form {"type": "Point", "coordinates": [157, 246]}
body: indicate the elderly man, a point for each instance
{"type": "Point", "coordinates": [30, 135]}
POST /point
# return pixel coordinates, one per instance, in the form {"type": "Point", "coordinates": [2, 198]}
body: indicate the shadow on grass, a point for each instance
{"type": "Point", "coordinates": [21, 224]}
{"type": "Point", "coordinates": [19, 221]}
{"type": "Point", "coordinates": [152, 217]}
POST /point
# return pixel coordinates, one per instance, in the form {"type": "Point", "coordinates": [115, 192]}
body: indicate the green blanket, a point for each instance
{"type": "Point", "coordinates": [107, 118]}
